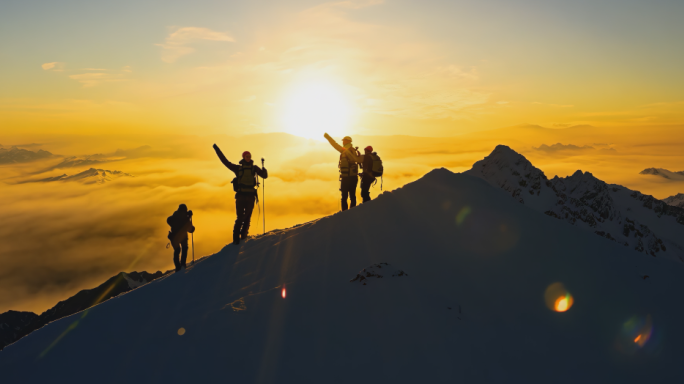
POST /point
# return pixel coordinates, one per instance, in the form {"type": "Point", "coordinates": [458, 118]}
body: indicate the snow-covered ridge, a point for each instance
{"type": "Point", "coordinates": [676, 200]}
{"type": "Point", "coordinates": [631, 218]}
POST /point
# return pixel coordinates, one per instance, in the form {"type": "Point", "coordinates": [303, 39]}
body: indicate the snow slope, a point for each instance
{"type": "Point", "coordinates": [122, 282]}
{"type": "Point", "coordinates": [468, 308]}
{"type": "Point", "coordinates": [628, 217]}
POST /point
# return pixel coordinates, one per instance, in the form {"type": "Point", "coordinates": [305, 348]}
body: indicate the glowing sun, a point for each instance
{"type": "Point", "coordinates": [312, 109]}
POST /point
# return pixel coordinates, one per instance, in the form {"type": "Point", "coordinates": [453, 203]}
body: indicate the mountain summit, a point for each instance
{"type": "Point", "coordinates": [460, 277]}
{"type": "Point", "coordinates": [628, 217]}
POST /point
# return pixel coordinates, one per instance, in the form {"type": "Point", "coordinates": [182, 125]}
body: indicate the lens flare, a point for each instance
{"type": "Point", "coordinates": [463, 214]}
{"type": "Point", "coordinates": [283, 293]}
{"type": "Point", "coordinates": [558, 298]}
{"type": "Point", "coordinates": [639, 329]}
{"type": "Point", "coordinates": [181, 331]}
{"type": "Point", "coordinates": [563, 303]}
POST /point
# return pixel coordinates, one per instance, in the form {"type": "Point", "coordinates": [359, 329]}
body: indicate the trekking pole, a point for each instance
{"type": "Point", "coordinates": [192, 235]}
{"type": "Point", "coordinates": [263, 194]}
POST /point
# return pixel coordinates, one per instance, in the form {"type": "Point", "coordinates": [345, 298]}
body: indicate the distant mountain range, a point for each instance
{"type": "Point", "coordinates": [90, 176]}
{"type": "Point", "coordinates": [628, 217]}
{"type": "Point", "coordinates": [99, 158]}
{"type": "Point", "coordinates": [15, 155]}
{"type": "Point", "coordinates": [73, 161]}
{"type": "Point", "coordinates": [15, 325]}
{"type": "Point", "coordinates": [562, 147]}
{"type": "Point", "coordinates": [663, 173]}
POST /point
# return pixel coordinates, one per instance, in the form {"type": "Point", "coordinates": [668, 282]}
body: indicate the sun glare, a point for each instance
{"type": "Point", "coordinates": [313, 109]}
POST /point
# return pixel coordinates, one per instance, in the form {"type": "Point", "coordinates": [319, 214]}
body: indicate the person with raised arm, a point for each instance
{"type": "Point", "coordinates": [349, 169]}
{"type": "Point", "coordinates": [245, 187]}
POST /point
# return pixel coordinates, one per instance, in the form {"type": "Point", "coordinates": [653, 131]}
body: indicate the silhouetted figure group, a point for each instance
{"type": "Point", "coordinates": [350, 159]}
{"type": "Point", "coordinates": [246, 183]}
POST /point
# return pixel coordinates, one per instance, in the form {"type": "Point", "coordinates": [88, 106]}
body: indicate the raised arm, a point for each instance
{"type": "Point", "coordinates": [228, 164]}
{"type": "Point", "coordinates": [333, 143]}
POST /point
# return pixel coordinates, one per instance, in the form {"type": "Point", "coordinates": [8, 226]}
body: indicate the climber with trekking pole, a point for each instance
{"type": "Point", "coordinates": [245, 187]}
{"type": "Point", "coordinates": [181, 225]}
{"type": "Point", "coordinates": [263, 193]}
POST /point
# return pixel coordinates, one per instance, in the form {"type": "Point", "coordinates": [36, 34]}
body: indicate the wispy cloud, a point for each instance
{"type": "Point", "coordinates": [178, 43]}
{"type": "Point", "coordinates": [55, 66]}
{"type": "Point", "coordinates": [93, 79]}
{"type": "Point", "coordinates": [563, 147]}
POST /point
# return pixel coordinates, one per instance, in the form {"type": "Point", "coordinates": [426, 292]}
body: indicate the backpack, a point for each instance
{"type": "Point", "coordinates": [245, 180]}
{"type": "Point", "coordinates": [174, 237]}
{"type": "Point", "coordinates": [348, 168]}
{"type": "Point", "coordinates": [377, 165]}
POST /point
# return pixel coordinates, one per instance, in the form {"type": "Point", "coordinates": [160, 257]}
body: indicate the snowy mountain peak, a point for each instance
{"type": "Point", "coordinates": [631, 218]}
{"type": "Point", "coordinates": [507, 169]}
{"type": "Point", "coordinates": [504, 153]}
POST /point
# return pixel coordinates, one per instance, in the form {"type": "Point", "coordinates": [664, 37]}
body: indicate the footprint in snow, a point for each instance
{"type": "Point", "coordinates": [377, 271]}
